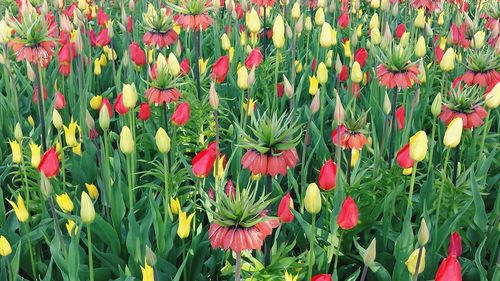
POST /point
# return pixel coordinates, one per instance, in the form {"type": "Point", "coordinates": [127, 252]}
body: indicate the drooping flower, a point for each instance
{"type": "Point", "coordinates": [481, 68]}
{"type": "Point", "coordinates": [193, 14]}
{"type": "Point", "coordinates": [396, 68]}
{"type": "Point", "coordinates": [463, 102]}
{"type": "Point", "coordinates": [164, 85]}
{"type": "Point", "coordinates": [352, 133]}
{"type": "Point", "coordinates": [158, 26]}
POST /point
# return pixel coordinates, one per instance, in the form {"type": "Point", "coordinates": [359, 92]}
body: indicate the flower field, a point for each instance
{"type": "Point", "coordinates": [250, 140]}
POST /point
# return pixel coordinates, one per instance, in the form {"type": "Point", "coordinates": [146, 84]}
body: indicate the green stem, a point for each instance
{"type": "Point", "coordinates": [337, 255]}
{"type": "Point", "coordinates": [91, 259]}
{"type": "Point", "coordinates": [276, 72]}
{"type": "Point", "coordinates": [322, 108]}
{"type": "Point", "coordinates": [433, 135]}
{"type": "Point", "coordinates": [165, 178]}
{"type": "Point", "coordinates": [184, 271]}
{"type": "Point", "coordinates": [26, 187]}
{"type": "Point", "coordinates": [32, 258]}
{"type": "Point", "coordinates": [485, 131]}
{"type": "Point", "coordinates": [311, 247]}
{"type": "Point", "coordinates": [129, 178]}
{"type": "Point", "coordinates": [412, 183]}
{"type": "Point", "coordinates": [63, 166]}
{"type": "Point", "coordinates": [443, 178]}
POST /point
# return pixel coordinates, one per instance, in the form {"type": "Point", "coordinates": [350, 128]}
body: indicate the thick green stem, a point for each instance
{"type": "Point", "coordinates": [431, 153]}
{"type": "Point", "coordinates": [440, 198]}
{"type": "Point", "coordinates": [165, 179]}
{"type": "Point", "coordinates": [311, 247]}
{"type": "Point", "coordinates": [412, 183]}
{"type": "Point", "coordinates": [91, 259]}
{"type": "Point", "coordinates": [237, 271]}
{"type": "Point", "coordinates": [129, 178]}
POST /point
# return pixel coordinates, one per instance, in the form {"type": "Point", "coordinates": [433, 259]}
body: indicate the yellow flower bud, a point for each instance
{"type": "Point", "coordinates": [87, 211]}
{"type": "Point", "coordinates": [104, 118]}
{"type": "Point", "coordinates": [102, 60]}
{"type": "Point", "coordinates": [436, 105]}
{"type": "Point", "coordinates": [453, 133]}
{"type": "Point", "coordinates": [356, 73]}
{"type": "Point", "coordinates": [31, 121]}
{"type": "Point", "coordinates": [420, 19]}
{"type": "Point", "coordinates": [95, 102]}
{"type": "Point", "coordinates": [71, 227]}
{"type": "Point", "coordinates": [129, 97]}
{"type": "Point", "coordinates": [162, 140]}
{"type": "Point", "coordinates": [325, 39]}
{"type": "Point", "coordinates": [441, 18]}
{"type": "Point", "coordinates": [308, 24]}
{"type": "Point", "coordinates": [322, 74]}
{"type": "Point", "coordinates": [313, 85]}
{"type": "Point", "coordinates": [347, 49]}
{"type": "Point", "coordinates": [278, 32]}
{"type": "Point", "coordinates": [477, 41]}
{"type": "Point", "coordinates": [423, 233]}
{"type": "Point", "coordinates": [19, 209]}
{"type": "Point", "coordinates": [57, 119]}
{"type": "Point", "coordinates": [184, 225]}
{"type": "Point", "coordinates": [173, 65]}
{"type": "Point", "coordinates": [420, 47]}
{"type": "Point", "coordinates": [312, 200]}
{"type": "Point", "coordinates": [411, 263]}
{"type": "Point", "coordinates": [243, 38]}
{"type": "Point", "coordinates": [371, 253]}
{"type": "Point", "coordinates": [175, 205]}
{"type": "Point", "coordinates": [17, 154]}
{"type": "Point", "coordinates": [35, 154]}
{"type": "Point", "coordinates": [5, 32]}
{"type": "Point", "coordinates": [374, 21]}
{"type": "Point", "coordinates": [226, 44]}
{"type": "Point", "coordinates": [97, 67]}
{"type": "Point", "coordinates": [92, 190]}
{"type": "Point", "coordinates": [375, 36]}
{"type": "Point", "coordinates": [375, 4]}
{"type": "Point", "coordinates": [252, 21]}
{"type": "Point", "coordinates": [242, 79]}
{"type": "Point", "coordinates": [203, 65]}
{"type": "Point", "coordinates": [418, 146]}
{"type": "Point", "coordinates": [493, 97]}
{"type": "Point", "coordinates": [5, 248]}
{"type": "Point", "coordinates": [354, 157]}
{"type": "Point", "coordinates": [70, 133]}
{"type": "Point", "coordinates": [296, 10]}
{"type": "Point", "coordinates": [126, 141]}
{"type": "Point", "coordinates": [319, 17]}
{"type": "Point", "coordinates": [64, 202]}
{"type": "Point", "coordinates": [448, 61]}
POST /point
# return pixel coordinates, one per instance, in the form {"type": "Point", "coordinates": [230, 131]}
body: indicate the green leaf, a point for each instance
{"type": "Point", "coordinates": [479, 214]}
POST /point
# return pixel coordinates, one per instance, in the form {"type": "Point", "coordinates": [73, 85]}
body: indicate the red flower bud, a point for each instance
{"type": "Point", "coordinates": [203, 162]}
{"type": "Point", "coordinates": [403, 158]}
{"type": "Point", "coordinates": [400, 117]}
{"type": "Point", "coordinates": [343, 20]}
{"type": "Point", "coordinates": [102, 38]}
{"type": "Point", "coordinates": [328, 176]}
{"type": "Point", "coordinates": [348, 216]}
{"type": "Point", "coordinates": [280, 89]}
{"type": "Point", "coordinates": [49, 164]}
{"type": "Point", "coordinates": [400, 30]}
{"type": "Point", "coordinates": [361, 56]}
{"type": "Point", "coordinates": [137, 54]}
{"type": "Point", "coordinates": [449, 270]}
{"type": "Point", "coordinates": [254, 58]}
{"type": "Point", "coordinates": [220, 68]}
{"type": "Point", "coordinates": [102, 18]}
{"type": "Point", "coordinates": [60, 101]}
{"type": "Point", "coordinates": [455, 247]}
{"type": "Point", "coordinates": [130, 24]}
{"type": "Point", "coordinates": [185, 68]}
{"type": "Point", "coordinates": [144, 111]}
{"type": "Point", "coordinates": [230, 190]}
{"type": "Point", "coordinates": [321, 277]}
{"type": "Point", "coordinates": [344, 74]}
{"type": "Point", "coordinates": [284, 209]}
{"type": "Point", "coordinates": [105, 102]}
{"type": "Point", "coordinates": [119, 106]}
{"type": "Point", "coordinates": [181, 114]}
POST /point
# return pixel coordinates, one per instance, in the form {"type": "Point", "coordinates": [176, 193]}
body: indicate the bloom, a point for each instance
{"type": "Point", "coordinates": [181, 114]}
{"type": "Point", "coordinates": [356, 73]}
{"type": "Point", "coordinates": [144, 111]}
{"type": "Point", "coordinates": [321, 277]}
{"type": "Point", "coordinates": [403, 157]}
{"type": "Point", "coordinates": [418, 146]}
{"type": "Point", "coordinates": [64, 202]}
{"type": "Point", "coordinates": [448, 61]}
{"type": "Point", "coordinates": [453, 133]}
{"type": "Point", "coordinates": [5, 248]}
{"type": "Point", "coordinates": [328, 175]}
{"type": "Point", "coordinates": [87, 211]}
{"type": "Point", "coordinates": [19, 209]}
{"type": "Point", "coordinates": [203, 162]}
{"type": "Point", "coordinates": [254, 58]}
{"type": "Point", "coordinates": [312, 200]}
{"type": "Point", "coordinates": [284, 209]}
{"type": "Point", "coordinates": [411, 262]}
{"type": "Point", "coordinates": [220, 68]}
{"type": "Point", "coordinates": [49, 165]}
{"type": "Point", "coordinates": [348, 216]}
{"type": "Point", "coordinates": [17, 154]}
{"type": "Point", "coordinates": [184, 224]}
{"type": "Point", "coordinates": [69, 133]}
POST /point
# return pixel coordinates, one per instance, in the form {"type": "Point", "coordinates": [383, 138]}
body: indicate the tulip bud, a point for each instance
{"type": "Point", "coordinates": [319, 17]}
{"type": "Point", "coordinates": [374, 21]}
{"type": "Point", "coordinates": [395, 9]}
{"type": "Point", "coordinates": [329, 59]}
{"type": "Point", "coordinates": [87, 211]}
{"type": "Point", "coordinates": [95, 102]}
{"type": "Point", "coordinates": [418, 146]}
{"type": "Point", "coordinates": [278, 32]}
{"type": "Point", "coordinates": [375, 36]}
{"type": "Point", "coordinates": [251, 77]}
{"type": "Point", "coordinates": [242, 79]}
{"type": "Point", "coordinates": [126, 141]}
{"type": "Point", "coordinates": [296, 10]}
{"type": "Point", "coordinates": [252, 21]}
{"type": "Point", "coordinates": [448, 61]}
{"type": "Point", "coordinates": [356, 73]}
{"type": "Point", "coordinates": [312, 200]}
{"type": "Point", "coordinates": [493, 97]}
{"type": "Point", "coordinates": [387, 104]}
{"type": "Point", "coordinates": [129, 95]}
{"type": "Point", "coordinates": [423, 233]}
{"type": "Point", "coordinates": [308, 23]}
{"type": "Point", "coordinates": [325, 39]}
{"type": "Point", "coordinates": [313, 85]}
{"type": "Point", "coordinates": [89, 120]}
{"type": "Point", "coordinates": [478, 40]}
{"type": "Point", "coordinates": [162, 141]}
{"type": "Point", "coordinates": [422, 75]}
{"type": "Point", "coordinates": [131, 5]}
{"type": "Point", "coordinates": [226, 44]}
{"type": "Point", "coordinates": [339, 113]}
{"type": "Point", "coordinates": [322, 74]}
{"type": "Point", "coordinates": [30, 72]}
{"type": "Point", "coordinates": [354, 157]}
{"type": "Point", "coordinates": [385, 5]}
{"type": "Point", "coordinates": [387, 38]}
{"type": "Point", "coordinates": [213, 97]}
{"type": "Point", "coordinates": [299, 25]}
{"type": "Point", "coordinates": [288, 87]}
{"type": "Point", "coordinates": [453, 133]}
{"type": "Point", "coordinates": [436, 105]}
{"type": "Point", "coordinates": [104, 118]}
{"type": "Point", "coordinates": [18, 133]}
{"type": "Point", "coordinates": [411, 263]}
{"type": "Point", "coordinates": [371, 253]}
{"type": "Point", "coordinates": [289, 33]}
{"type": "Point", "coordinates": [420, 47]}
{"type": "Point", "coordinates": [375, 4]}
{"type": "Point", "coordinates": [420, 19]}
{"type": "Point", "coordinates": [57, 120]}
{"type": "Point", "coordinates": [97, 67]}
{"type": "Point", "coordinates": [45, 185]}
{"type": "Point", "coordinates": [315, 104]}
{"type": "Point", "coordinates": [173, 65]}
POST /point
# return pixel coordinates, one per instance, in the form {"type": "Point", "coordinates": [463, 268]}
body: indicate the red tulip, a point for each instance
{"type": "Point", "coordinates": [284, 209]}
{"type": "Point", "coordinates": [239, 11]}
{"type": "Point", "coordinates": [344, 74]}
{"type": "Point", "coordinates": [203, 162]}
{"type": "Point", "coordinates": [449, 270]}
{"type": "Point", "coordinates": [328, 176]}
{"type": "Point", "coordinates": [102, 18]}
{"type": "Point", "coordinates": [348, 216]}
{"type": "Point", "coordinates": [220, 68]}
{"type": "Point", "coordinates": [144, 111]}
{"type": "Point", "coordinates": [102, 38]}
{"type": "Point", "coordinates": [321, 277]}
{"type": "Point", "coordinates": [130, 24]}
{"type": "Point", "coordinates": [137, 54]}
{"type": "Point", "coordinates": [403, 158]}
{"type": "Point", "coordinates": [185, 68]}
{"type": "Point", "coordinates": [181, 114]}
{"type": "Point", "coordinates": [92, 38]}
{"type": "Point", "coordinates": [455, 247]}
{"type": "Point", "coordinates": [254, 58]}
{"type": "Point", "coordinates": [400, 117]}
{"type": "Point", "coordinates": [106, 103]}
{"type": "Point", "coordinates": [313, 65]}
{"type": "Point", "coordinates": [280, 88]}
{"type": "Point", "coordinates": [49, 164]}
{"type": "Point", "coordinates": [35, 94]}
{"type": "Point", "coordinates": [344, 20]}
{"type": "Point", "coordinates": [230, 190]}
{"type": "Point", "coordinates": [361, 56]}
{"type": "Point", "coordinates": [119, 106]}
{"type": "Point", "coordinates": [400, 30]}
{"type": "Point", "coordinates": [60, 101]}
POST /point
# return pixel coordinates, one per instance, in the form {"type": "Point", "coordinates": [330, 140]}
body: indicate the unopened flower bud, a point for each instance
{"type": "Point", "coordinates": [288, 87]}
{"type": "Point", "coordinates": [423, 233]}
{"type": "Point", "coordinates": [371, 253]}
{"type": "Point", "coordinates": [45, 185]}
{"type": "Point", "coordinates": [436, 105]}
{"type": "Point", "coordinates": [18, 133]}
{"type": "Point", "coordinates": [213, 97]}
{"type": "Point", "coordinates": [315, 103]}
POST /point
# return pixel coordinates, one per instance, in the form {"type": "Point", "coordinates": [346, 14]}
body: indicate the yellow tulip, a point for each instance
{"type": "Point", "coordinates": [411, 263]}
{"type": "Point", "coordinates": [87, 211]}
{"type": "Point", "coordinates": [322, 74]}
{"type": "Point", "coordinates": [174, 67]}
{"type": "Point", "coordinates": [441, 18]}
{"type": "Point", "coordinates": [219, 163]}
{"type": "Point", "coordinates": [325, 38]}
{"type": "Point", "coordinates": [203, 65]}
{"type": "Point", "coordinates": [129, 97]}
{"type": "Point", "coordinates": [308, 24]}
{"type": "Point", "coordinates": [374, 21]}
{"type": "Point", "coordinates": [453, 133]}
{"type": "Point", "coordinates": [95, 102]}
{"type": "Point", "coordinates": [448, 61]}
{"type": "Point", "coordinates": [436, 105]}
{"type": "Point", "coordinates": [359, 30]}
{"type": "Point", "coordinates": [334, 37]}
{"type": "Point", "coordinates": [418, 146]}
{"type": "Point", "coordinates": [423, 233]}
{"type": "Point", "coordinates": [347, 49]}
{"type": "Point", "coordinates": [354, 157]}
{"type": "Point", "coordinates": [5, 32]}
{"type": "Point", "coordinates": [226, 44]}
{"type": "Point", "coordinates": [18, 133]}
{"type": "Point", "coordinates": [375, 36]}
{"type": "Point", "coordinates": [296, 10]}
{"type": "Point", "coordinates": [162, 140]}
{"type": "Point", "coordinates": [312, 200]}
{"type": "Point", "coordinates": [407, 171]}
{"type": "Point", "coordinates": [375, 4]}
{"type": "Point", "coordinates": [313, 85]}
{"type": "Point", "coordinates": [356, 73]}
{"type": "Point", "coordinates": [97, 67]}
{"type": "Point", "coordinates": [127, 144]}
{"type": "Point", "coordinates": [31, 121]}
{"type": "Point", "coordinates": [370, 253]}
{"type": "Point", "coordinates": [175, 205]}
{"type": "Point", "coordinates": [35, 154]}
{"type": "Point", "coordinates": [64, 202]}
{"type": "Point", "coordinates": [70, 133]}
{"type": "Point", "coordinates": [252, 21]}
{"type": "Point", "coordinates": [251, 107]}
{"type": "Point", "coordinates": [148, 273]}
{"type": "Point", "coordinates": [102, 60]}
{"type": "Point", "coordinates": [71, 227]}
{"type": "Point", "coordinates": [17, 154]}
{"type": "Point", "coordinates": [290, 277]}
{"type": "Point", "coordinates": [57, 119]}
{"type": "Point", "coordinates": [92, 190]}
{"type": "Point", "coordinates": [493, 97]}
{"type": "Point", "coordinates": [298, 66]}
{"type": "Point", "coordinates": [184, 225]}
{"type": "Point", "coordinates": [319, 17]}
{"type": "Point", "coordinates": [420, 47]}
{"type": "Point", "coordinates": [150, 55]}
{"type": "Point", "coordinates": [243, 38]}
{"type": "Point", "coordinates": [420, 19]}
{"type": "Point", "coordinates": [5, 248]}
{"type": "Point", "coordinates": [19, 209]}
{"type": "Point", "coordinates": [385, 5]}
{"type": "Point", "coordinates": [478, 41]}
{"type": "Point", "coordinates": [242, 79]}
{"type": "Point", "coordinates": [77, 149]}
{"type": "Point", "coordinates": [278, 32]}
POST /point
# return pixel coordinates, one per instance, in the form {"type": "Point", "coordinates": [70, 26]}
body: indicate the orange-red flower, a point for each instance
{"type": "Point", "coordinates": [49, 164]}
{"type": "Point", "coordinates": [159, 40]}
{"type": "Point", "coordinates": [272, 165]}
{"type": "Point", "coordinates": [181, 114]}
{"type": "Point", "coordinates": [328, 176]}
{"type": "Point", "coordinates": [450, 269]}
{"type": "Point", "coordinates": [194, 22]}
{"type": "Point", "coordinates": [483, 79]}
{"type": "Point", "coordinates": [402, 80]}
{"type": "Point", "coordinates": [470, 120]}
{"type": "Point", "coordinates": [119, 106]}
{"type": "Point", "coordinates": [203, 162]}
{"type": "Point", "coordinates": [284, 209]}
{"type": "Point", "coordinates": [348, 216]}
{"type": "Point", "coordinates": [137, 54]}
{"type": "Point", "coordinates": [403, 157]}
{"type": "Point", "coordinates": [220, 68]}
{"type": "Point", "coordinates": [348, 139]}
{"type": "Point", "coordinates": [253, 59]}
